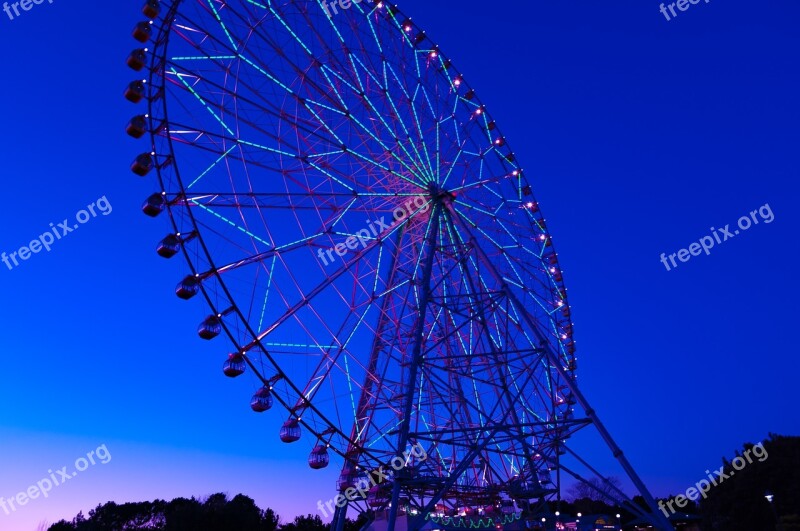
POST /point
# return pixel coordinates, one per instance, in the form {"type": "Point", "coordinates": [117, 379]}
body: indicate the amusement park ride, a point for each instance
{"type": "Point", "coordinates": [369, 243]}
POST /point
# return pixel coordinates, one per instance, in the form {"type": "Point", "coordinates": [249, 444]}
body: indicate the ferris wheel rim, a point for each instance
{"type": "Point", "coordinates": [211, 260]}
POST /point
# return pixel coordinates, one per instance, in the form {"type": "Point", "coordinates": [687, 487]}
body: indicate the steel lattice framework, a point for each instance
{"type": "Point", "coordinates": [366, 238]}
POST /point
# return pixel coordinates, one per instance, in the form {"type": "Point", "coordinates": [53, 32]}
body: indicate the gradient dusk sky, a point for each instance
{"type": "Point", "coordinates": [639, 133]}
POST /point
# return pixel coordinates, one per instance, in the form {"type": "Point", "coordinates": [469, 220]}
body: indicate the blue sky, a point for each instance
{"type": "Point", "coordinates": [639, 133]}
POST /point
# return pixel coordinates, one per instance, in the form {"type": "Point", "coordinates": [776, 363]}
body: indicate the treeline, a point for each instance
{"type": "Point", "coordinates": [215, 513]}
{"type": "Point", "coordinates": [737, 498]}
{"type": "Point", "coordinates": [740, 502]}
{"type": "Point", "coordinates": [737, 503]}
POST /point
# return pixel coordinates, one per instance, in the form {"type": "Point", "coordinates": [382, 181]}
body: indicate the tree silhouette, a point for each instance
{"type": "Point", "coordinates": [738, 503]}
{"type": "Point", "coordinates": [305, 523]}
{"type": "Point", "coordinates": [595, 489]}
{"type": "Point", "coordinates": [215, 513]}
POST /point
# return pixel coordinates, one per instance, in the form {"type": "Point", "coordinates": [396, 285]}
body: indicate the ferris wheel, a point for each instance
{"type": "Point", "coordinates": [369, 244]}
